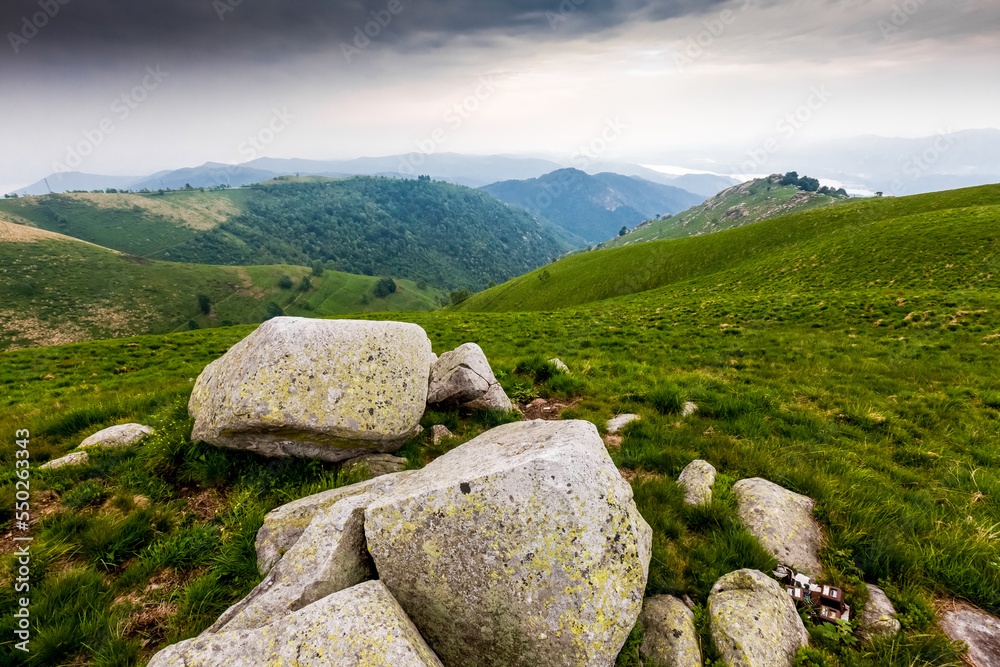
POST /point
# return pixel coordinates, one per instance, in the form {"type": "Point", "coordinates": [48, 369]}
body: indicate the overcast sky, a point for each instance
{"type": "Point", "coordinates": [115, 87]}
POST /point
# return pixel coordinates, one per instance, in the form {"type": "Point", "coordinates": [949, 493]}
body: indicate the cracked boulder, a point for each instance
{"type": "Point", "coordinates": [284, 525]}
{"type": "Point", "coordinates": [754, 621]}
{"type": "Point", "coordinates": [522, 547]}
{"type": "Point", "coordinates": [463, 377]}
{"type": "Point", "coordinates": [362, 626]}
{"type": "Point", "coordinates": [326, 389]}
{"type": "Point", "coordinates": [330, 556]}
{"type": "Point", "coordinates": [782, 521]}
{"type": "Point", "coordinates": [669, 638]}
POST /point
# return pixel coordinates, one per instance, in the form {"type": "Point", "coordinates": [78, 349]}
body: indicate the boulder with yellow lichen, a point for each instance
{"type": "Point", "coordinates": [326, 389]}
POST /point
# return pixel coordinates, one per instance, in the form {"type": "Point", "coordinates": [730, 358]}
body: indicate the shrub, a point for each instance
{"type": "Point", "coordinates": [273, 310]}
{"type": "Point", "coordinates": [285, 283]}
{"type": "Point", "coordinates": [384, 287]}
{"type": "Point", "coordinates": [204, 304]}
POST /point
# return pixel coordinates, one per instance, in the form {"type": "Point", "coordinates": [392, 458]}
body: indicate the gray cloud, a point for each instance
{"type": "Point", "coordinates": [267, 30]}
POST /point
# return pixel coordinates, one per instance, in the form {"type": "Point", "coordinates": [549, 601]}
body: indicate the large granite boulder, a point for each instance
{"type": "Point", "coordinates": [122, 435]}
{"type": "Point", "coordinates": [522, 547]}
{"type": "Point", "coordinates": [754, 621]}
{"type": "Point", "coordinates": [326, 389]}
{"type": "Point", "coordinates": [284, 526]}
{"type": "Point", "coordinates": [330, 556]}
{"type": "Point", "coordinates": [669, 638]}
{"type": "Point", "coordinates": [783, 523]}
{"type": "Point", "coordinates": [879, 616]}
{"type": "Point", "coordinates": [697, 478]}
{"type": "Point", "coordinates": [361, 626]}
{"type": "Point", "coordinates": [977, 629]}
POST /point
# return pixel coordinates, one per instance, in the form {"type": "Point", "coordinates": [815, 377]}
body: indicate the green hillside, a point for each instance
{"type": "Point", "coordinates": [737, 206]}
{"type": "Point", "coordinates": [137, 224]}
{"type": "Point", "coordinates": [937, 240]}
{"type": "Point", "coordinates": [446, 235]}
{"type": "Point", "coordinates": [60, 290]}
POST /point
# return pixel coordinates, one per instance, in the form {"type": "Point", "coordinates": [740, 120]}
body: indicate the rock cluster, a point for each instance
{"type": "Point", "coordinates": [521, 547]}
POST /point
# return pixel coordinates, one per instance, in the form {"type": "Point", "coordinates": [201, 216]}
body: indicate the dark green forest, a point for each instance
{"type": "Point", "coordinates": [446, 235]}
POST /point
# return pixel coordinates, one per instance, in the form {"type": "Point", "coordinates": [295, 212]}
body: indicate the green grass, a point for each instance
{"type": "Point", "coordinates": [879, 401]}
{"type": "Point", "coordinates": [947, 240]}
{"type": "Point", "coordinates": [65, 291]}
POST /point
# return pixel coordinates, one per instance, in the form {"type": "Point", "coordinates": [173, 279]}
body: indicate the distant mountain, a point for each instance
{"type": "Point", "coordinates": [594, 207]}
{"type": "Point", "coordinates": [445, 235]}
{"type": "Point", "coordinates": [737, 206]}
{"type": "Point", "coordinates": [66, 181]}
{"type": "Point", "coordinates": [207, 175]}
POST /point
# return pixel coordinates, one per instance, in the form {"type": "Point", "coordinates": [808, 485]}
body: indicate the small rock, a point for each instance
{"type": "Point", "coordinates": [616, 424]}
{"type": "Point", "coordinates": [74, 459]}
{"type": "Point", "coordinates": [782, 521]}
{"type": "Point", "coordinates": [754, 621]}
{"type": "Point", "coordinates": [689, 409]}
{"type": "Point", "coordinates": [362, 626]}
{"type": "Point", "coordinates": [879, 616]}
{"type": "Point", "coordinates": [560, 365]}
{"type": "Point", "coordinates": [669, 637]}
{"type": "Point", "coordinates": [977, 629]}
{"type": "Point", "coordinates": [122, 435]}
{"type": "Point", "coordinates": [142, 502]}
{"type": "Point", "coordinates": [439, 432]}
{"type": "Point", "coordinates": [377, 465]}
{"type": "Point", "coordinates": [49, 377]}
{"type": "Point", "coordinates": [697, 479]}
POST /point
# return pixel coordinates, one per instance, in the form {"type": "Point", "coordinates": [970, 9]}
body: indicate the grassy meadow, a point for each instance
{"type": "Point", "coordinates": [864, 377]}
{"type": "Point", "coordinates": [59, 290]}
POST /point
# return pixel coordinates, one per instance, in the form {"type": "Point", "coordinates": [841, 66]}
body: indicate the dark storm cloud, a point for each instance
{"type": "Point", "coordinates": [264, 29]}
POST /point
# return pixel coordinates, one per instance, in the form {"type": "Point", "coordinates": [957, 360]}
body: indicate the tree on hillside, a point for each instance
{"type": "Point", "coordinates": [204, 304]}
{"type": "Point", "coordinates": [384, 287]}
{"type": "Point", "coordinates": [624, 231]}
{"type": "Point", "coordinates": [808, 184]}
{"type": "Point", "coordinates": [273, 310]}
{"type": "Point", "coordinates": [306, 284]}
{"type": "Point", "coordinates": [318, 268]}
{"type": "Point", "coordinates": [285, 283]}
{"type": "Point", "coordinates": [791, 178]}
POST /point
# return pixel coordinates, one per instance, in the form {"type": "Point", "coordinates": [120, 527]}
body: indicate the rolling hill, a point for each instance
{"type": "Point", "coordinates": [446, 235]}
{"type": "Point", "coordinates": [942, 239]}
{"type": "Point", "coordinates": [60, 290]}
{"type": "Point", "coordinates": [596, 207]}
{"type": "Point", "coordinates": [736, 206]}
